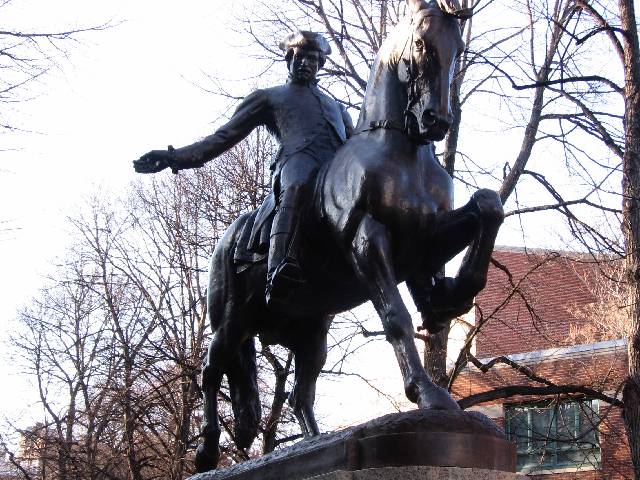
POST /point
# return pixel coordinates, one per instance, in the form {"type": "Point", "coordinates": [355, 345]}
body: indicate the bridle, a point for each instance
{"type": "Point", "coordinates": [413, 95]}
{"type": "Point", "coordinates": [412, 89]}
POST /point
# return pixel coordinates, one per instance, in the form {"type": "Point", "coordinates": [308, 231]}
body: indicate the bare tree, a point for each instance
{"type": "Point", "coordinates": [26, 56]}
{"type": "Point", "coordinates": [594, 92]}
{"type": "Point", "coordinates": [625, 41]}
{"type": "Point", "coordinates": [64, 346]}
{"type": "Point", "coordinates": [129, 301]}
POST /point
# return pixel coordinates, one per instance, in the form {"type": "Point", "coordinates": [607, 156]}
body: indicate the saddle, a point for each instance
{"type": "Point", "coordinates": [252, 245]}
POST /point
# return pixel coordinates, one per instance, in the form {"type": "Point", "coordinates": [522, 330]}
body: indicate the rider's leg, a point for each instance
{"type": "Point", "coordinates": [284, 272]}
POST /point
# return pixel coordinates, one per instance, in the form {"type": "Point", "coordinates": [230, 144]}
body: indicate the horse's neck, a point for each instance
{"type": "Point", "coordinates": [384, 97]}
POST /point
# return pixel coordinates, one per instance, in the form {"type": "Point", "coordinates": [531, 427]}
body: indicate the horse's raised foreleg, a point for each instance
{"type": "Point", "coordinates": [474, 225]}
{"type": "Point", "coordinates": [310, 355]}
{"type": "Point", "coordinates": [372, 260]}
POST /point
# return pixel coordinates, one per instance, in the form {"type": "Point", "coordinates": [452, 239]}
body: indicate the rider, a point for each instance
{"type": "Point", "coordinates": [310, 126]}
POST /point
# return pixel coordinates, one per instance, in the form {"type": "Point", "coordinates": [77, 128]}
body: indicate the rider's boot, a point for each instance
{"type": "Point", "coordinates": [284, 272]}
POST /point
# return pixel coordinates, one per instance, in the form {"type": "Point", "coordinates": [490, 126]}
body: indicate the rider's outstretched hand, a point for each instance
{"type": "Point", "coordinates": [153, 161]}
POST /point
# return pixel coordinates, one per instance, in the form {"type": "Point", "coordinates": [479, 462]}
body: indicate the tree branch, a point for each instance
{"type": "Point", "coordinates": [518, 390]}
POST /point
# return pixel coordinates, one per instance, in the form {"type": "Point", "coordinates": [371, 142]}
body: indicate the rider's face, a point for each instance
{"type": "Point", "coordinates": [304, 65]}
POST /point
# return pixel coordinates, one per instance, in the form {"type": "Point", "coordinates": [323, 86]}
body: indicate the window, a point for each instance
{"type": "Point", "coordinates": [553, 434]}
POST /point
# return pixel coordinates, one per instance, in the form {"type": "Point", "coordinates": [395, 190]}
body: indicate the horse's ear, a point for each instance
{"type": "Point", "coordinates": [453, 7]}
{"type": "Point", "coordinates": [416, 5]}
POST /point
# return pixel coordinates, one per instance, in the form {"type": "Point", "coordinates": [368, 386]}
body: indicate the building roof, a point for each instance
{"type": "Point", "coordinates": [532, 298]}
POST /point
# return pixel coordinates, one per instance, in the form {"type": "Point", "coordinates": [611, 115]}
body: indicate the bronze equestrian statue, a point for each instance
{"type": "Point", "coordinates": [381, 213]}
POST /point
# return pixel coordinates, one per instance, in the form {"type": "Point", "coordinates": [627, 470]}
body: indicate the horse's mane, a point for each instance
{"type": "Point", "coordinates": [453, 8]}
{"type": "Point", "coordinates": [397, 46]}
{"type": "Point", "coordinates": [447, 8]}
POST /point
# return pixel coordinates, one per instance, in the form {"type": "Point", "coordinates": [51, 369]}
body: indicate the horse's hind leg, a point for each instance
{"type": "Point", "coordinates": [223, 352]}
{"type": "Point", "coordinates": [310, 355]}
{"type": "Point", "coordinates": [474, 225]}
{"type": "Point", "coordinates": [229, 352]}
{"type": "Point", "coordinates": [207, 454]}
{"type": "Point", "coordinates": [372, 260]}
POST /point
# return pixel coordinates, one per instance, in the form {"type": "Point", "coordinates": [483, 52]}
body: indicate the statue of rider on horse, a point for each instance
{"type": "Point", "coordinates": [354, 217]}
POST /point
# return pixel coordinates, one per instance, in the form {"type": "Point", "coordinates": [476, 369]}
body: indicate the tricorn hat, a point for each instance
{"type": "Point", "coordinates": [306, 40]}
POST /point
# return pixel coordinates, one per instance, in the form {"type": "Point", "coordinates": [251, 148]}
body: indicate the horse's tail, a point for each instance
{"type": "Point", "coordinates": [225, 316]}
{"type": "Point", "coordinates": [243, 387]}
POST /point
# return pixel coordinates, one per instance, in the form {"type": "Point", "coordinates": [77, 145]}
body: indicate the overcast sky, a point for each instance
{"type": "Point", "coordinates": [124, 91]}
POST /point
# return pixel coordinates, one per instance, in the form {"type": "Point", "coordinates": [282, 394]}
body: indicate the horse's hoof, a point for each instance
{"type": "Point", "coordinates": [435, 319]}
{"type": "Point", "coordinates": [437, 398]}
{"type": "Point", "coordinates": [434, 323]}
{"type": "Point", "coordinates": [246, 429]}
{"type": "Point", "coordinates": [206, 458]}
{"type": "Point", "coordinates": [489, 205]}
{"type": "Point", "coordinates": [444, 305]}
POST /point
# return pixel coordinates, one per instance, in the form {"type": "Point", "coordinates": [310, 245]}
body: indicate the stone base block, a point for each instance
{"type": "Point", "coordinates": [420, 473]}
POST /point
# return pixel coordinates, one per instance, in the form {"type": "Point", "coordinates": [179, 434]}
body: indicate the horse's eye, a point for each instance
{"type": "Point", "coordinates": [419, 45]}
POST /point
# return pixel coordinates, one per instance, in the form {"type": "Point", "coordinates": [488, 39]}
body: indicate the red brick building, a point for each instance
{"type": "Point", "coordinates": [547, 321]}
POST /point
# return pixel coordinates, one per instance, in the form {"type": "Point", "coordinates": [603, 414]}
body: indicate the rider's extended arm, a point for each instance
{"type": "Point", "coordinates": [249, 114]}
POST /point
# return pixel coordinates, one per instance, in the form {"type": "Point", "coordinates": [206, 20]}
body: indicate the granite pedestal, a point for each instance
{"type": "Point", "coordinates": [398, 445]}
{"type": "Point", "coordinates": [420, 473]}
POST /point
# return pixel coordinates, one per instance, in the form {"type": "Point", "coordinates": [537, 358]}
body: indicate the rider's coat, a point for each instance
{"type": "Point", "coordinates": [308, 124]}
{"type": "Point", "coordinates": [287, 112]}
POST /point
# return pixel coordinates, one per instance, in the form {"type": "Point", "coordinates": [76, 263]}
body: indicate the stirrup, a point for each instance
{"type": "Point", "coordinates": [283, 280]}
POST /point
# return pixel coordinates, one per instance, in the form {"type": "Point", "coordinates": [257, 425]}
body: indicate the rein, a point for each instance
{"type": "Point", "coordinates": [384, 124]}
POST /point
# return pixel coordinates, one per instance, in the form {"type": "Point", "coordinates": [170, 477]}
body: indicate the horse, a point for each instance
{"type": "Point", "coordinates": [382, 215]}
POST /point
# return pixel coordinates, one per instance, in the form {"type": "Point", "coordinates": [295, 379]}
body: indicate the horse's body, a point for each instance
{"type": "Point", "coordinates": [382, 215]}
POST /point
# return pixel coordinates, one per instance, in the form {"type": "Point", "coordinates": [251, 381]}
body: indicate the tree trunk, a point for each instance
{"type": "Point", "coordinates": [181, 431]}
{"type": "Point", "coordinates": [435, 357]}
{"type": "Point", "coordinates": [631, 223]}
{"type": "Point", "coordinates": [130, 422]}
{"type": "Point", "coordinates": [269, 441]}
{"type": "Point", "coordinates": [451, 141]}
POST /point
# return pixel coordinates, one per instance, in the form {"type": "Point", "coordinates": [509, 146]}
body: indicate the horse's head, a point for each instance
{"type": "Point", "coordinates": [426, 63]}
